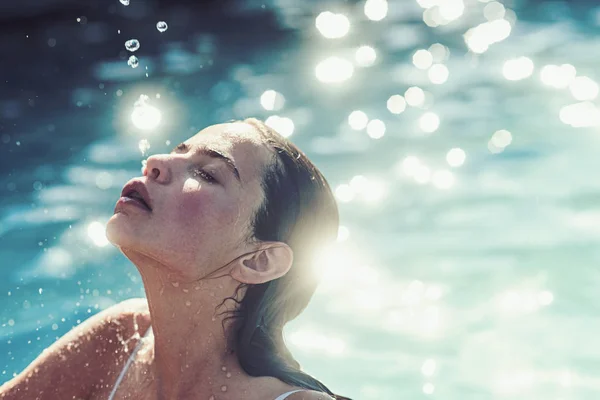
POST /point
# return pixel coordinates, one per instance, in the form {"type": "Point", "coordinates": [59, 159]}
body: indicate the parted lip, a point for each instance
{"type": "Point", "coordinates": [135, 185]}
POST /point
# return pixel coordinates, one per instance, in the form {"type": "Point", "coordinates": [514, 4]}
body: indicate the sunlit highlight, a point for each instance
{"type": "Point", "coordinates": [365, 56]}
{"type": "Point", "coordinates": [438, 74]}
{"type": "Point", "coordinates": [332, 26]}
{"type": "Point", "coordinates": [439, 52]}
{"type": "Point", "coordinates": [414, 96]}
{"type": "Point", "coordinates": [343, 233]}
{"type": "Point", "coordinates": [145, 116]}
{"type": "Point", "coordinates": [456, 157]}
{"type": "Point", "coordinates": [376, 129]}
{"type": "Point", "coordinates": [428, 368]}
{"type": "Point", "coordinates": [358, 120]}
{"type": "Point", "coordinates": [376, 10]}
{"type": "Point", "coordinates": [284, 126]}
{"type": "Point", "coordinates": [271, 100]}
{"type": "Point", "coordinates": [334, 70]}
{"type": "Point", "coordinates": [518, 68]}
{"type": "Point", "coordinates": [558, 77]}
{"type": "Point", "coordinates": [97, 232]}
{"type": "Point", "coordinates": [583, 88]}
{"type": "Point", "coordinates": [428, 388]}
{"type": "Point", "coordinates": [429, 122]}
{"type": "Point", "coordinates": [396, 104]}
{"type": "Point", "coordinates": [499, 140]}
{"type": "Point", "coordinates": [479, 38]}
{"type": "Point", "coordinates": [494, 10]}
{"type": "Point", "coordinates": [422, 59]}
{"type": "Point", "coordinates": [344, 193]}
{"type": "Point", "coordinates": [580, 115]}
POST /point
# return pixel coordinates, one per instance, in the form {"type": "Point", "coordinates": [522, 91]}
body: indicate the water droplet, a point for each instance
{"type": "Point", "coordinates": [213, 318]}
{"type": "Point", "coordinates": [223, 388]}
{"type": "Point", "coordinates": [229, 374]}
{"type": "Point", "coordinates": [188, 303]}
{"type": "Point", "coordinates": [133, 62]}
{"type": "Point", "coordinates": [175, 284]}
{"type": "Point", "coordinates": [161, 26]}
{"type": "Point", "coordinates": [211, 398]}
{"type": "Point", "coordinates": [124, 2]}
{"type": "Point", "coordinates": [132, 44]}
{"type": "Point", "coordinates": [40, 290]}
{"type": "Point", "coordinates": [144, 145]}
{"type": "Point", "coordinates": [223, 368]}
{"type": "Point", "coordinates": [197, 287]}
{"type": "Point", "coordinates": [185, 290]}
{"type": "Point", "coordinates": [162, 289]}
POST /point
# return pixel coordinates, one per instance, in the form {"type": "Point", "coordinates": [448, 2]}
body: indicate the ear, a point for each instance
{"type": "Point", "coordinates": [271, 261]}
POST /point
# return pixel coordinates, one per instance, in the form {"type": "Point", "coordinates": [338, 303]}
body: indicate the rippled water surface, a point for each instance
{"type": "Point", "coordinates": [460, 137]}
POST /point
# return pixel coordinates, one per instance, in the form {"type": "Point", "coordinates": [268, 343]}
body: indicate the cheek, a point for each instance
{"type": "Point", "coordinates": [200, 209]}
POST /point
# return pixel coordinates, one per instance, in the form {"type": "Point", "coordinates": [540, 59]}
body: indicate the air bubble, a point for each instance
{"type": "Point", "coordinates": [133, 62]}
{"type": "Point", "coordinates": [161, 26]}
{"type": "Point", "coordinates": [132, 44]}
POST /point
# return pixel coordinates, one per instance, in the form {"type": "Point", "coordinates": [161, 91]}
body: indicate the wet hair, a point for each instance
{"type": "Point", "coordinates": [299, 209]}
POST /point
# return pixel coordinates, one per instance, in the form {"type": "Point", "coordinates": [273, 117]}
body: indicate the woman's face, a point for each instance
{"type": "Point", "coordinates": [196, 225]}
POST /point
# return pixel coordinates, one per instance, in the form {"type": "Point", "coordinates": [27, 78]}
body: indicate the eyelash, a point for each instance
{"type": "Point", "coordinates": [204, 174]}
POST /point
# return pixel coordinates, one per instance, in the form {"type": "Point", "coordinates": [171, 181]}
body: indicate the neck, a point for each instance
{"type": "Point", "coordinates": [192, 351]}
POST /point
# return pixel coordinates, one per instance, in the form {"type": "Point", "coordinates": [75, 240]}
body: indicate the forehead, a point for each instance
{"type": "Point", "coordinates": [239, 141]}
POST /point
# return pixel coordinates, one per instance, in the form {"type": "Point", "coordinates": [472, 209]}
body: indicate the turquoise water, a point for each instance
{"type": "Point", "coordinates": [466, 267]}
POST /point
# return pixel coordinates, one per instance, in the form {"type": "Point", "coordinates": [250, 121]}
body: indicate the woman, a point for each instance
{"type": "Point", "coordinates": [223, 231]}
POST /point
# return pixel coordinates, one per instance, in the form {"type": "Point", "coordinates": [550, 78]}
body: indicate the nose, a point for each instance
{"type": "Point", "coordinates": [157, 168]}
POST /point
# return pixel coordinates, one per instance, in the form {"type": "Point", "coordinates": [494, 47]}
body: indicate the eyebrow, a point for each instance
{"type": "Point", "coordinates": [210, 153]}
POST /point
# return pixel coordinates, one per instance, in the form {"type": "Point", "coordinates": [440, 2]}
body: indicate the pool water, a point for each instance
{"type": "Point", "coordinates": [460, 139]}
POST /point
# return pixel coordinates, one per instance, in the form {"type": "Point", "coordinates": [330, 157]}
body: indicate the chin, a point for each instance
{"type": "Point", "coordinates": [117, 232]}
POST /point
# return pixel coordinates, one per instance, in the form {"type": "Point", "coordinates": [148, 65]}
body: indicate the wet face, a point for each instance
{"type": "Point", "coordinates": [201, 206]}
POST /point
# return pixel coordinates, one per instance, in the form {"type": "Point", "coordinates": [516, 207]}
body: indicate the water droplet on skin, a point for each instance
{"type": "Point", "coordinates": [211, 398]}
{"type": "Point", "coordinates": [223, 368]}
{"type": "Point", "coordinates": [185, 290]}
{"type": "Point", "coordinates": [132, 45]}
{"type": "Point", "coordinates": [162, 289]}
{"type": "Point", "coordinates": [133, 62]}
{"type": "Point", "coordinates": [229, 374]}
{"type": "Point", "coordinates": [188, 303]}
{"type": "Point", "coordinates": [213, 318]}
{"type": "Point", "coordinates": [175, 284]}
{"type": "Point", "coordinates": [124, 2]}
{"type": "Point", "coordinates": [223, 388]}
{"type": "Point", "coordinates": [161, 26]}
{"type": "Point", "coordinates": [197, 287]}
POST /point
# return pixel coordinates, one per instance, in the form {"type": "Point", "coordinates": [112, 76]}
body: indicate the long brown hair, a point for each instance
{"type": "Point", "coordinates": [299, 209]}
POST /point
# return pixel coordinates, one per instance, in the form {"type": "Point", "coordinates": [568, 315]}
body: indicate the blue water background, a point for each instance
{"type": "Point", "coordinates": [486, 289]}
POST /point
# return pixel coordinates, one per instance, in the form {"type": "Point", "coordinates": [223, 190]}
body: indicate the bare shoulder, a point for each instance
{"type": "Point", "coordinates": [133, 311]}
{"type": "Point", "coordinates": [51, 374]}
{"type": "Point", "coordinates": [309, 395]}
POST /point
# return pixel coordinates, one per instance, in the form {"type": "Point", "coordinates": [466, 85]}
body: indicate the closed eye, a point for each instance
{"type": "Point", "coordinates": [205, 175]}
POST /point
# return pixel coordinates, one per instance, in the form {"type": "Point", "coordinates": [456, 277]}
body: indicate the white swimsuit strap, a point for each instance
{"type": "Point", "coordinates": [283, 396]}
{"type": "Point", "coordinates": [129, 361]}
